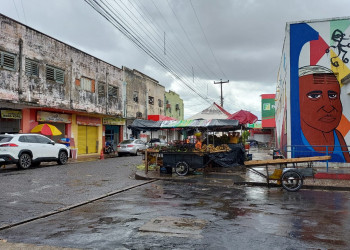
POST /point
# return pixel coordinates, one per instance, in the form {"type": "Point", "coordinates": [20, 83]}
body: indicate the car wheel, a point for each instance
{"type": "Point", "coordinates": [62, 158]}
{"type": "Point", "coordinates": [24, 161]}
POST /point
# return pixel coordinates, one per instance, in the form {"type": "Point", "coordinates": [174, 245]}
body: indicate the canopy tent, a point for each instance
{"type": "Point", "coordinates": [214, 111]}
{"type": "Point", "coordinates": [243, 116]}
{"type": "Point", "coordinates": [211, 125]}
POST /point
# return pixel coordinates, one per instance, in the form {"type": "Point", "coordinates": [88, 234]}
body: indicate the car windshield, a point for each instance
{"type": "Point", "coordinates": [127, 141]}
{"type": "Point", "coordinates": [5, 138]}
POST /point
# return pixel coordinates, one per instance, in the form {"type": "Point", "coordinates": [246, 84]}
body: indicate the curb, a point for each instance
{"type": "Point", "coordinates": [332, 176]}
{"type": "Point", "coordinates": [259, 184]}
{"type": "Point", "coordinates": [314, 187]}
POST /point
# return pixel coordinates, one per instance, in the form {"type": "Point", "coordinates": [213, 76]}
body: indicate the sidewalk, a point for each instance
{"type": "Point", "coordinates": [334, 179]}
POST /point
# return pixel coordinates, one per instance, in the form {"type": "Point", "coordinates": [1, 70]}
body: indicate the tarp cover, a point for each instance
{"type": "Point", "coordinates": [233, 158]}
{"type": "Point", "coordinates": [145, 125]}
{"type": "Point", "coordinates": [215, 124]}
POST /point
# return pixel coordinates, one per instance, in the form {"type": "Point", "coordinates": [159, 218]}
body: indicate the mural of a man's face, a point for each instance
{"type": "Point", "coordinates": [320, 105]}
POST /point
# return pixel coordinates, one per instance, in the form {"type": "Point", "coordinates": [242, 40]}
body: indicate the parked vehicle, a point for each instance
{"type": "Point", "coordinates": [27, 150]}
{"type": "Point", "coordinates": [157, 142]}
{"type": "Point", "coordinates": [109, 148]}
{"type": "Point", "coordinates": [253, 143]}
{"type": "Point", "coordinates": [132, 147]}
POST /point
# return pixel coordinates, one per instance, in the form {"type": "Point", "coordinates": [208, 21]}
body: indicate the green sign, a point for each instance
{"type": "Point", "coordinates": [268, 109]}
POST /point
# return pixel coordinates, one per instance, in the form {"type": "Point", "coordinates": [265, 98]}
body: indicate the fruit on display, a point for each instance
{"type": "Point", "coordinates": [190, 148]}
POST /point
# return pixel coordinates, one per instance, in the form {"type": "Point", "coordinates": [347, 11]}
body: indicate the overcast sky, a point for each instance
{"type": "Point", "coordinates": [198, 41]}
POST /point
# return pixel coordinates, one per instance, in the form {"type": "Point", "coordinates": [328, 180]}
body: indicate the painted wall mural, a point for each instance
{"type": "Point", "coordinates": [319, 91]}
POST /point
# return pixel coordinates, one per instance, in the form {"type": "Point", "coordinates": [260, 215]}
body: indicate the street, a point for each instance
{"type": "Point", "coordinates": [164, 214]}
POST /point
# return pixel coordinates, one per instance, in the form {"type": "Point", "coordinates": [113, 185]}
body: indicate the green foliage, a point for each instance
{"type": "Point", "coordinates": [244, 136]}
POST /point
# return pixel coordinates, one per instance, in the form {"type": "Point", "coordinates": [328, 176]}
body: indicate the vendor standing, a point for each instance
{"type": "Point", "coordinates": [198, 144]}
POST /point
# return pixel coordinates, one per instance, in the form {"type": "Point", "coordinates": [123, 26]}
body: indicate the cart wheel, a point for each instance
{"type": "Point", "coordinates": [181, 168]}
{"type": "Point", "coordinates": [292, 181]}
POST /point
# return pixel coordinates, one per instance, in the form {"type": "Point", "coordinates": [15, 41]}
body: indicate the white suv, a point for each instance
{"type": "Point", "coordinates": [27, 150]}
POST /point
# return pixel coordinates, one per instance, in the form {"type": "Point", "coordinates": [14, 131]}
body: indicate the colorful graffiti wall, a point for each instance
{"type": "Point", "coordinates": [316, 89]}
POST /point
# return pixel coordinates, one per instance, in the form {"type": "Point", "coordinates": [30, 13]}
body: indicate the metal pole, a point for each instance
{"type": "Point", "coordinates": [327, 154]}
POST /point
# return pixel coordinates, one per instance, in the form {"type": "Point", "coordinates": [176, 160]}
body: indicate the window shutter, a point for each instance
{"type": "Point", "coordinates": [77, 82]}
{"type": "Point", "coordinates": [93, 86]}
{"type": "Point", "coordinates": [8, 61]}
{"type": "Point", "coordinates": [101, 89]}
{"type": "Point", "coordinates": [50, 73]}
{"type": "Point", "coordinates": [112, 92]}
{"type": "Point", "coordinates": [32, 68]}
{"type": "Point", "coordinates": [59, 76]}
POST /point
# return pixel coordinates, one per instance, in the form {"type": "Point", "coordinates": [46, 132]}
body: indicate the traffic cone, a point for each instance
{"type": "Point", "coordinates": [102, 156]}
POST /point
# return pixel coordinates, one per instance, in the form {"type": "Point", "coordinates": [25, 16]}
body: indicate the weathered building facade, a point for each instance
{"type": "Point", "coordinates": [144, 97]}
{"type": "Point", "coordinates": [174, 105]}
{"type": "Point", "coordinates": [43, 80]}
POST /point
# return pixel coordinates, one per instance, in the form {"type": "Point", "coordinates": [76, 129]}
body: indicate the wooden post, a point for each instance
{"type": "Point", "coordinates": [146, 162]}
{"type": "Point", "coordinates": [267, 176]}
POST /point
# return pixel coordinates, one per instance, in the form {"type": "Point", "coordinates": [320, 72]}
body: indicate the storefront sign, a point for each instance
{"type": "Point", "coordinates": [11, 114]}
{"type": "Point", "coordinates": [254, 125]}
{"type": "Point", "coordinates": [113, 121]}
{"type": "Point", "coordinates": [53, 117]}
{"type": "Point", "coordinates": [88, 121]}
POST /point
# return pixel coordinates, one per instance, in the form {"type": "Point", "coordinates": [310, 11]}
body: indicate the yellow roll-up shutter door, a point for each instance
{"type": "Point", "coordinates": [82, 138]}
{"type": "Point", "coordinates": [92, 139]}
{"type": "Point", "coordinates": [87, 139]}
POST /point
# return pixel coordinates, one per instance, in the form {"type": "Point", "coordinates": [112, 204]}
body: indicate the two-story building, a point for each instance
{"type": "Point", "coordinates": [43, 80]}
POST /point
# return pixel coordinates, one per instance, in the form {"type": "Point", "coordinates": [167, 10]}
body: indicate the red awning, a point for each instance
{"type": "Point", "coordinates": [243, 117]}
{"type": "Point", "coordinates": [160, 118]}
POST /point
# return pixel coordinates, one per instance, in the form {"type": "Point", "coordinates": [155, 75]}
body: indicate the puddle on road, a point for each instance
{"type": "Point", "coordinates": [176, 226]}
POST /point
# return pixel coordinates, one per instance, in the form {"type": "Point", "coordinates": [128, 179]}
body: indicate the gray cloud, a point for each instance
{"type": "Point", "coordinates": [246, 38]}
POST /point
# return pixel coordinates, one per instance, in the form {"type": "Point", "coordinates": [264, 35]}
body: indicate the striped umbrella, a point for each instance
{"type": "Point", "coordinates": [46, 129]}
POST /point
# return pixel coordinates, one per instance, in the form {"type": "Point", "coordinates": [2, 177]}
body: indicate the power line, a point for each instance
{"type": "Point", "coordinates": [15, 8]}
{"type": "Point", "coordinates": [107, 13]}
{"type": "Point", "coordinates": [200, 25]}
{"type": "Point", "coordinates": [24, 14]}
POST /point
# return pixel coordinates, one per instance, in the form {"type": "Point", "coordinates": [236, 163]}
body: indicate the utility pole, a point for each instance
{"type": "Point", "coordinates": [222, 98]}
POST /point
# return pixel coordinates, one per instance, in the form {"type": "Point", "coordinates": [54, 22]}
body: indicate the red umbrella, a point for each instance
{"type": "Point", "coordinates": [243, 116]}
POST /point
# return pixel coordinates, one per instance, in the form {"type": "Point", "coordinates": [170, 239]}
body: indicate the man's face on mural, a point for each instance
{"type": "Point", "coordinates": [320, 105]}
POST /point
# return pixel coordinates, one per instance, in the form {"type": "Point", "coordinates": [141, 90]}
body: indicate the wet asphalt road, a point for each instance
{"type": "Point", "coordinates": [233, 217]}
{"type": "Point", "coordinates": [35, 191]}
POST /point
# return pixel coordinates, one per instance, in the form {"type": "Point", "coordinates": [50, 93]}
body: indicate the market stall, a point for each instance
{"type": "Point", "coordinates": [183, 156]}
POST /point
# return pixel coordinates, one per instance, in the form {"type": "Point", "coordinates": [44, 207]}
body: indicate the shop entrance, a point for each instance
{"type": "Point", "coordinates": [87, 139]}
{"type": "Point", "coordinates": [112, 135]}
{"type": "Point", "coordinates": [9, 125]}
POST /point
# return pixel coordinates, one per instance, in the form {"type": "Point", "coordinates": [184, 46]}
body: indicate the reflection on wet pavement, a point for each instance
{"type": "Point", "coordinates": [232, 218]}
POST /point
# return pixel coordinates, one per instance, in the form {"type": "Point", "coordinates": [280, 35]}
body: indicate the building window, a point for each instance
{"type": "Point", "coordinates": [177, 106]}
{"type": "Point", "coordinates": [101, 89]}
{"type": "Point", "coordinates": [54, 74]}
{"type": "Point", "coordinates": [87, 84]}
{"type": "Point", "coordinates": [32, 68]}
{"type": "Point", "coordinates": [136, 96]}
{"type": "Point", "coordinates": [138, 115]}
{"type": "Point", "coordinates": [151, 100]}
{"type": "Point", "coordinates": [160, 103]}
{"type": "Point", "coordinates": [8, 61]}
{"type": "Point", "coordinates": [112, 92]}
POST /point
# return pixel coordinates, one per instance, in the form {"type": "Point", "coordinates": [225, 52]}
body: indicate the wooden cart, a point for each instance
{"type": "Point", "coordinates": [181, 162]}
{"type": "Point", "coordinates": [291, 178]}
